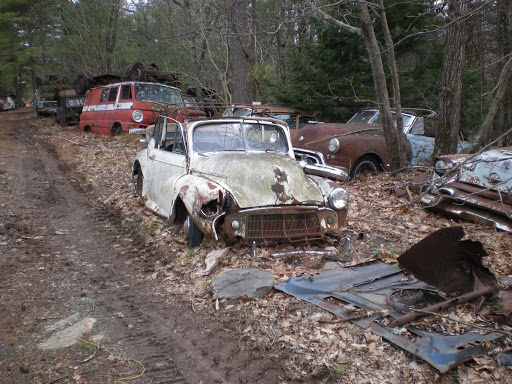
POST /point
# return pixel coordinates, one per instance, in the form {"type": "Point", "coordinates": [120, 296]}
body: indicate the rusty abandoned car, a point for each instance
{"type": "Point", "coordinates": [238, 177]}
{"type": "Point", "coordinates": [476, 188]}
{"type": "Point", "coordinates": [360, 146]}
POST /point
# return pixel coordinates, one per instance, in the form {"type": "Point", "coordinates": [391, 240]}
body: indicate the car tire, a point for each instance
{"type": "Point", "coordinates": [81, 84]}
{"type": "Point", "coordinates": [116, 129]}
{"type": "Point", "coordinates": [365, 164]}
{"type": "Point", "coordinates": [139, 183]}
{"type": "Point", "coordinates": [193, 234]}
{"type": "Point", "coordinates": [138, 72]}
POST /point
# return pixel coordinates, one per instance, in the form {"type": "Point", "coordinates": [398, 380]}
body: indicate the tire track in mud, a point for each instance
{"type": "Point", "coordinates": [98, 271]}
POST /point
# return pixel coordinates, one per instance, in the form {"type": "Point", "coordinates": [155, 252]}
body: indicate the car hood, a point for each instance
{"type": "Point", "coordinates": [259, 179]}
{"type": "Point", "coordinates": [491, 169]}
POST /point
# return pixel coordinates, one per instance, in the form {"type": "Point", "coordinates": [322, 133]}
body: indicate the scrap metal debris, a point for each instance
{"type": "Point", "coordinates": [447, 262]}
{"type": "Point", "coordinates": [386, 293]}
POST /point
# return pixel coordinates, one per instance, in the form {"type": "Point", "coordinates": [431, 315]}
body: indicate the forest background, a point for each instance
{"type": "Point", "coordinates": [286, 52]}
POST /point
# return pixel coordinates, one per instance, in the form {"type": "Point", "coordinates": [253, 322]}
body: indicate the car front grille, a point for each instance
{"type": "Point", "coordinates": [283, 226]}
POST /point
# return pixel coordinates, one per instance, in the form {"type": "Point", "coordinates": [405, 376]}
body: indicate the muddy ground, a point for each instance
{"type": "Point", "coordinates": [62, 254]}
{"type": "Point", "coordinates": [75, 239]}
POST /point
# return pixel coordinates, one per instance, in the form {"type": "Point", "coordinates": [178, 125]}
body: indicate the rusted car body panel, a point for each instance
{"type": "Point", "coordinates": [389, 296]}
{"type": "Point", "coordinates": [257, 196]}
{"type": "Point", "coordinates": [476, 189]}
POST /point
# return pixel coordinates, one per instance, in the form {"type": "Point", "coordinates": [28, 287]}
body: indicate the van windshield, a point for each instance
{"type": "Point", "coordinates": [158, 93]}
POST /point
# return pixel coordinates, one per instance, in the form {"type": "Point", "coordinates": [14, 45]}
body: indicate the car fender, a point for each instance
{"type": "Point", "coordinates": [203, 200]}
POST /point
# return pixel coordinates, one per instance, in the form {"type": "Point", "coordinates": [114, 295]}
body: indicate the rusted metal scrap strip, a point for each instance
{"type": "Point", "coordinates": [411, 316]}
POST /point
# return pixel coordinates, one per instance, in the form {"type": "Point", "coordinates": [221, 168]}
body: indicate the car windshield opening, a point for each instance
{"type": "Point", "coordinates": [158, 93]}
{"type": "Point", "coordinates": [363, 117]}
{"type": "Point", "coordinates": [239, 137]}
{"type": "Point", "coordinates": [406, 119]}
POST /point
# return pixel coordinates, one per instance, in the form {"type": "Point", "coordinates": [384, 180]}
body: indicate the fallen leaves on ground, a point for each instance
{"type": "Point", "coordinates": [320, 345]}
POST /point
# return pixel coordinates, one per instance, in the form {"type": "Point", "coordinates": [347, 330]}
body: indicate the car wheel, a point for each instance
{"type": "Point", "coordinates": [139, 183]}
{"type": "Point", "coordinates": [193, 234]}
{"type": "Point", "coordinates": [365, 164]}
{"type": "Point", "coordinates": [81, 84]}
{"type": "Point", "coordinates": [138, 72]}
{"type": "Point", "coordinates": [116, 129]}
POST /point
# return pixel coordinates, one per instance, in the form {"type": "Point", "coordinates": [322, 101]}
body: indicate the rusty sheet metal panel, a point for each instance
{"type": "Point", "coordinates": [465, 212]}
{"type": "Point", "coordinates": [374, 287]}
{"type": "Point", "coordinates": [447, 262]}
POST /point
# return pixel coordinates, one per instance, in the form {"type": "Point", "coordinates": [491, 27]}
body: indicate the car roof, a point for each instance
{"type": "Point", "coordinates": [134, 82]}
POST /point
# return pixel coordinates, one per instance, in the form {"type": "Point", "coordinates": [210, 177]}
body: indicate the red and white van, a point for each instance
{"type": "Point", "coordinates": [116, 108]}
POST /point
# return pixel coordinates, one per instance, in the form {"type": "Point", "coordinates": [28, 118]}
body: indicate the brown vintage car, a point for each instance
{"type": "Point", "coordinates": [355, 147]}
{"type": "Point", "coordinates": [360, 145]}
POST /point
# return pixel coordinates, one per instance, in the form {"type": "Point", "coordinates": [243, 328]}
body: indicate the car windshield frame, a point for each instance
{"type": "Point", "coordinates": [152, 93]}
{"type": "Point", "coordinates": [240, 136]}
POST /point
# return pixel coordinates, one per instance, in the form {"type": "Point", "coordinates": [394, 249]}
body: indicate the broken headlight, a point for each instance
{"type": "Point", "coordinates": [137, 116]}
{"type": "Point", "coordinates": [338, 199]}
{"type": "Point", "coordinates": [334, 145]}
{"type": "Point", "coordinates": [441, 167]}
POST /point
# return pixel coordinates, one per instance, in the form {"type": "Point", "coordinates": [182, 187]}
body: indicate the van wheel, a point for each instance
{"type": "Point", "coordinates": [193, 234]}
{"type": "Point", "coordinates": [116, 129]}
{"type": "Point", "coordinates": [87, 129]}
{"type": "Point", "coordinates": [365, 164]}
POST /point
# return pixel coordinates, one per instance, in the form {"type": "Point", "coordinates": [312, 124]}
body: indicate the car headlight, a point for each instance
{"type": "Point", "coordinates": [137, 116]}
{"type": "Point", "coordinates": [338, 199]}
{"type": "Point", "coordinates": [334, 145]}
{"type": "Point", "coordinates": [441, 167]}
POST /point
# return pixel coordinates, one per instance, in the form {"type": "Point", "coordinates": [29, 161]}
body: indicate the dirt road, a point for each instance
{"type": "Point", "coordinates": [61, 255]}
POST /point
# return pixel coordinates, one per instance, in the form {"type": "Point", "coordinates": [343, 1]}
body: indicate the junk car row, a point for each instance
{"type": "Point", "coordinates": [265, 173]}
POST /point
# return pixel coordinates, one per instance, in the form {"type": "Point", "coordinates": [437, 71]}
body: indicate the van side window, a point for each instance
{"type": "Point", "coordinates": [126, 92]}
{"type": "Point", "coordinates": [113, 94]}
{"type": "Point", "coordinates": [104, 93]}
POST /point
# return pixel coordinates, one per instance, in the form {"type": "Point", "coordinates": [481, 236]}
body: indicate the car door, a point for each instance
{"type": "Point", "coordinates": [168, 163]}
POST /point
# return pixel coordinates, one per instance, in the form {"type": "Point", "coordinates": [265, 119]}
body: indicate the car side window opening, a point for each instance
{"type": "Point", "coordinates": [126, 92]}
{"type": "Point", "coordinates": [158, 132]}
{"type": "Point", "coordinates": [179, 143]}
{"type": "Point", "coordinates": [104, 93]}
{"type": "Point", "coordinates": [113, 94]}
{"type": "Point", "coordinates": [418, 128]}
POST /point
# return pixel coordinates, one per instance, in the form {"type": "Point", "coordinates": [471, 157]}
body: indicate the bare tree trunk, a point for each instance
{"type": "Point", "coordinates": [483, 133]}
{"type": "Point", "coordinates": [111, 38]}
{"type": "Point", "coordinates": [390, 48]}
{"type": "Point", "coordinates": [504, 47]}
{"type": "Point", "coordinates": [238, 53]}
{"type": "Point", "coordinates": [379, 78]}
{"type": "Point", "coordinates": [448, 124]}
